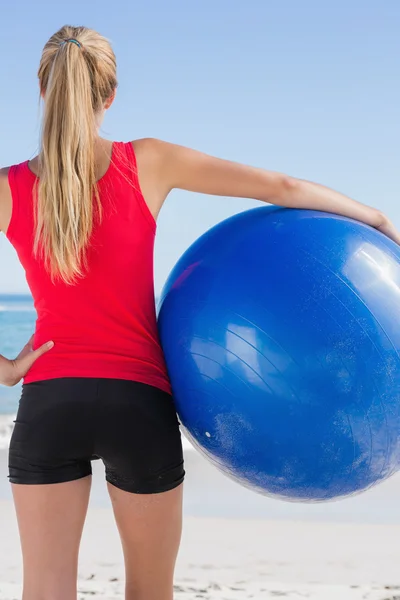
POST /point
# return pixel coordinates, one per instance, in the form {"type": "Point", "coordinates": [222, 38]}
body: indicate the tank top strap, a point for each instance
{"type": "Point", "coordinates": [126, 163]}
{"type": "Point", "coordinates": [21, 181]}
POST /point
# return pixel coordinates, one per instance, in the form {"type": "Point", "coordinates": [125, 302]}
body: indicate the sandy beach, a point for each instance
{"type": "Point", "coordinates": [276, 550]}
{"type": "Point", "coordinates": [229, 559]}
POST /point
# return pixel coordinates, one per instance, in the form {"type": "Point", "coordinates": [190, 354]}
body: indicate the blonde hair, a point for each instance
{"type": "Point", "coordinates": [76, 79]}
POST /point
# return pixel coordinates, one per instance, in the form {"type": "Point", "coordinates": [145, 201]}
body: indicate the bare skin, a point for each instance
{"type": "Point", "coordinates": [51, 517]}
{"type": "Point", "coordinates": [51, 520]}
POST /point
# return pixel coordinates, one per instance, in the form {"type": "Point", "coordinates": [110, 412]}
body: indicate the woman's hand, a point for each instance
{"type": "Point", "coordinates": [12, 371]}
{"type": "Point", "coordinates": [389, 229]}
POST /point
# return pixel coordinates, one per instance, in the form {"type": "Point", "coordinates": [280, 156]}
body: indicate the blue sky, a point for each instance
{"type": "Point", "coordinates": [309, 88]}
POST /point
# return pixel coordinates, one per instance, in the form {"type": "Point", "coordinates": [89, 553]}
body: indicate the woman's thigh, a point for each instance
{"type": "Point", "coordinates": [50, 466]}
{"type": "Point", "coordinates": [140, 443]}
{"type": "Point", "coordinates": [50, 520]}
{"type": "Point", "coordinates": [150, 527]}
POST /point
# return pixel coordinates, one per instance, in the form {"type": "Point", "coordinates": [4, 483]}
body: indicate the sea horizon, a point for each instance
{"type": "Point", "coordinates": [15, 296]}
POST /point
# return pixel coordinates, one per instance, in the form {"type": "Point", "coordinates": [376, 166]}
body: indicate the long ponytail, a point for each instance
{"type": "Point", "coordinates": [76, 80]}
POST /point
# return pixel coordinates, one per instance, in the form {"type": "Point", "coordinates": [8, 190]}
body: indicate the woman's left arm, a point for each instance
{"type": "Point", "coordinates": [187, 169]}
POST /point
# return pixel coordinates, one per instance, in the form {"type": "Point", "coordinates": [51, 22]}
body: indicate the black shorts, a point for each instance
{"type": "Point", "coordinates": [63, 424]}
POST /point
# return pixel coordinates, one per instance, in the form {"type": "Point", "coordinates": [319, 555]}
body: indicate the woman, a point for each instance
{"type": "Point", "coordinates": [82, 217]}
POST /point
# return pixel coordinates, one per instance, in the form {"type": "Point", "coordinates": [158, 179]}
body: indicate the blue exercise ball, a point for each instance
{"type": "Point", "coordinates": [281, 332]}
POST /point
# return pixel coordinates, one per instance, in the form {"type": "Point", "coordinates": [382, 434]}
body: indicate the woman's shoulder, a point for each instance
{"type": "Point", "coordinates": [147, 148]}
{"type": "Point", "coordinates": [151, 156]}
{"type": "Point", "coordinates": [4, 174]}
{"type": "Point", "coordinates": [150, 162]}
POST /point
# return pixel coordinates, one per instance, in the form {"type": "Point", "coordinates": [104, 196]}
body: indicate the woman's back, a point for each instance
{"type": "Point", "coordinates": [104, 325]}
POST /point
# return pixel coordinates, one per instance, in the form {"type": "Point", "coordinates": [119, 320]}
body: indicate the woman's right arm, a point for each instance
{"type": "Point", "coordinates": [12, 371]}
{"type": "Point", "coordinates": [5, 208]}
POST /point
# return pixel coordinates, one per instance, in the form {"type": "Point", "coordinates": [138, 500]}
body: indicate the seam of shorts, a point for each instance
{"type": "Point", "coordinates": [151, 489]}
{"type": "Point", "coordinates": [96, 413]}
{"type": "Point", "coordinates": [47, 479]}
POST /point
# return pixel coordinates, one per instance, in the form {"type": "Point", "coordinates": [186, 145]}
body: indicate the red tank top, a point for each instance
{"type": "Point", "coordinates": [105, 324]}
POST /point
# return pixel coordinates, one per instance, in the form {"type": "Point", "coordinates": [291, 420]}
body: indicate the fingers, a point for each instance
{"type": "Point", "coordinates": [42, 350]}
{"type": "Point", "coordinates": [29, 342]}
{"type": "Point", "coordinates": [25, 362]}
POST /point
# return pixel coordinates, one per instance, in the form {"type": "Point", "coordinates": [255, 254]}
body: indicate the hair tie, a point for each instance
{"type": "Point", "coordinates": [73, 41]}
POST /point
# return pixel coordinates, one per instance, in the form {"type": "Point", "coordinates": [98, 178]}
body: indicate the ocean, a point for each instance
{"type": "Point", "coordinates": [17, 323]}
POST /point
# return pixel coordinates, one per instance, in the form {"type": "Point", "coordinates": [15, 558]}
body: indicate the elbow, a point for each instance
{"type": "Point", "coordinates": [380, 220]}
{"type": "Point", "coordinates": [286, 189]}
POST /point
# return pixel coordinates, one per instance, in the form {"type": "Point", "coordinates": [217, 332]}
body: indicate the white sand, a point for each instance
{"type": "Point", "coordinates": [225, 559]}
